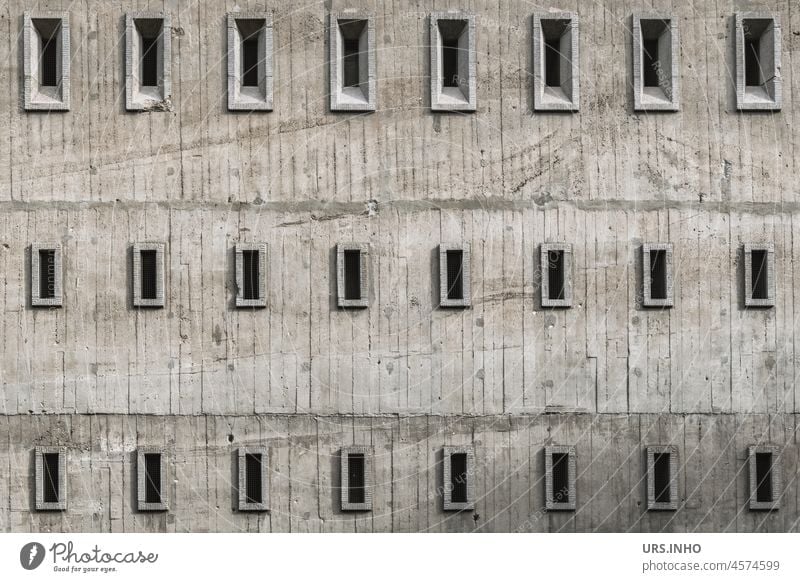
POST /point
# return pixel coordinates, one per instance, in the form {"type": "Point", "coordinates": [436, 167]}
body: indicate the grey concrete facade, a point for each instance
{"type": "Point", "coordinates": [201, 379]}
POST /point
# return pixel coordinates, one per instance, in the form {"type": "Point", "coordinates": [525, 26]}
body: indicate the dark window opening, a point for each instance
{"type": "Point", "coordinates": [149, 61]}
{"type": "Point", "coordinates": [49, 61]}
{"type": "Point", "coordinates": [152, 478]}
{"type": "Point", "coordinates": [352, 274]}
{"type": "Point", "coordinates": [450, 62]}
{"type": "Point", "coordinates": [356, 478]}
{"type": "Point", "coordinates": [759, 262]}
{"type": "Point", "coordinates": [47, 273]}
{"type": "Point", "coordinates": [552, 62]}
{"type": "Point", "coordinates": [458, 477]}
{"type": "Point", "coordinates": [555, 274]}
{"type": "Point", "coordinates": [661, 477]}
{"type": "Point", "coordinates": [148, 275]}
{"type": "Point", "coordinates": [253, 478]}
{"type": "Point", "coordinates": [561, 478]}
{"type": "Point", "coordinates": [658, 274]}
{"type": "Point", "coordinates": [455, 274]}
{"type": "Point", "coordinates": [764, 477]}
{"type": "Point", "coordinates": [650, 63]}
{"type": "Point", "coordinates": [50, 477]}
{"type": "Point", "coordinates": [752, 62]}
{"type": "Point", "coordinates": [250, 61]}
{"type": "Point", "coordinates": [250, 265]}
{"type": "Point", "coordinates": [351, 64]}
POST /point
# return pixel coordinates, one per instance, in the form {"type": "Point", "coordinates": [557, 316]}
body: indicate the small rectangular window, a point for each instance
{"type": "Point", "coordinates": [148, 85]}
{"type": "Point", "coordinates": [656, 78]}
{"type": "Point", "coordinates": [46, 55]}
{"type": "Point", "coordinates": [352, 62]}
{"type": "Point", "coordinates": [51, 479]}
{"type": "Point", "coordinates": [759, 273]}
{"type": "Point", "coordinates": [758, 61]}
{"type": "Point", "coordinates": [148, 275]}
{"type": "Point", "coordinates": [559, 462]}
{"type": "Point", "coordinates": [657, 275]}
{"type": "Point", "coordinates": [556, 62]}
{"type": "Point", "coordinates": [46, 275]}
{"type": "Point", "coordinates": [249, 61]}
{"type": "Point", "coordinates": [253, 479]}
{"type": "Point", "coordinates": [662, 481]}
{"type": "Point", "coordinates": [352, 274]}
{"type": "Point", "coordinates": [356, 478]}
{"type": "Point", "coordinates": [454, 275]}
{"type": "Point", "coordinates": [765, 477]}
{"type": "Point", "coordinates": [151, 479]}
{"type": "Point", "coordinates": [251, 265]}
{"type": "Point", "coordinates": [459, 474]}
{"type": "Point", "coordinates": [453, 62]}
{"type": "Point", "coordinates": [556, 274]}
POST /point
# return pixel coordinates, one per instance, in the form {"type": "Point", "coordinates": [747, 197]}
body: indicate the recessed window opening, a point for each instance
{"type": "Point", "coordinates": [552, 62]}
{"type": "Point", "coordinates": [752, 63]}
{"type": "Point", "coordinates": [253, 478]}
{"type": "Point", "coordinates": [455, 274]}
{"type": "Point", "coordinates": [49, 59]}
{"type": "Point", "coordinates": [149, 279]}
{"type": "Point", "coordinates": [356, 478]}
{"type": "Point", "coordinates": [760, 274]}
{"type": "Point", "coordinates": [152, 468]}
{"type": "Point", "coordinates": [764, 477]}
{"type": "Point", "coordinates": [555, 44]}
{"type": "Point", "coordinates": [561, 477]}
{"type": "Point", "coordinates": [51, 477]}
{"type": "Point", "coordinates": [352, 274]}
{"type": "Point", "coordinates": [458, 478]}
{"type": "Point", "coordinates": [650, 62]}
{"type": "Point", "coordinates": [47, 273]}
{"type": "Point", "coordinates": [149, 34]}
{"type": "Point", "coordinates": [661, 477]}
{"type": "Point", "coordinates": [250, 265]}
{"type": "Point", "coordinates": [555, 274]}
{"type": "Point", "coordinates": [658, 274]}
{"type": "Point", "coordinates": [453, 53]}
{"type": "Point", "coordinates": [250, 60]}
{"type": "Point", "coordinates": [351, 52]}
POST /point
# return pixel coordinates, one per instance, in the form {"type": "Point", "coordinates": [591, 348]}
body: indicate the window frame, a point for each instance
{"type": "Point", "coordinates": [777, 478]}
{"type": "Point", "coordinates": [546, 98]}
{"type": "Point", "coordinates": [37, 97]}
{"type": "Point", "coordinates": [344, 478]}
{"type": "Point", "coordinates": [137, 97]}
{"type": "Point", "coordinates": [36, 299]}
{"type": "Point", "coordinates": [440, 101]}
{"type": "Point", "coordinates": [141, 499]}
{"type": "Point", "coordinates": [262, 274]}
{"type": "Point", "coordinates": [340, 98]}
{"type": "Point", "coordinates": [749, 300]}
{"type": "Point", "coordinates": [746, 101]}
{"type": "Point", "coordinates": [644, 100]}
{"type": "Point", "coordinates": [342, 302]}
{"type": "Point", "coordinates": [244, 505]}
{"type": "Point", "coordinates": [466, 277]}
{"type": "Point", "coordinates": [651, 452]}
{"type": "Point", "coordinates": [647, 276]}
{"type": "Point", "coordinates": [566, 249]}
{"type": "Point", "coordinates": [447, 493]}
{"type": "Point", "coordinates": [138, 300]}
{"type": "Point", "coordinates": [40, 503]}
{"type": "Point", "coordinates": [242, 98]}
{"type": "Point", "coordinates": [550, 503]}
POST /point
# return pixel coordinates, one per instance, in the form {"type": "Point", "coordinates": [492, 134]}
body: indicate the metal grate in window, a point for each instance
{"type": "Point", "coordinates": [561, 493]}
{"type": "Point", "coordinates": [764, 477]}
{"type": "Point", "coordinates": [455, 274]}
{"type": "Point", "coordinates": [555, 274]}
{"type": "Point", "coordinates": [356, 478]}
{"type": "Point", "coordinates": [47, 273]}
{"type": "Point", "coordinates": [152, 468]}
{"type": "Point", "coordinates": [661, 477]}
{"type": "Point", "coordinates": [458, 478]}
{"type": "Point", "coordinates": [50, 467]}
{"type": "Point", "coordinates": [250, 267]}
{"type": "Point", "coordinates": [149, 274]}
{"type": "Point", "coordinates": [352, 274]}
{"type": "Point", "coordinates": [253, 484]}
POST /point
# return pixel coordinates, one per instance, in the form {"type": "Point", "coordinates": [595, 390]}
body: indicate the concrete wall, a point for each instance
{"type": "Point", "coordinates": [715, 376]}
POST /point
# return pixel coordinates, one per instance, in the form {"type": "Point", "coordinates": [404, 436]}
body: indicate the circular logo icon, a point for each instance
{"type": "Point", "coordinates": [31, 555]}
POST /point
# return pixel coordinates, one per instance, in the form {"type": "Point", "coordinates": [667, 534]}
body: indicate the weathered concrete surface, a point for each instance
{"type": "Point", "coordinates": [714, 376]}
